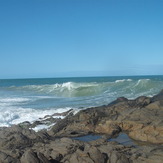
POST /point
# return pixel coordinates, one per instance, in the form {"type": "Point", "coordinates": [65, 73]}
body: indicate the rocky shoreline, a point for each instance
{"type": "Point", "coordinates": [141, 119]}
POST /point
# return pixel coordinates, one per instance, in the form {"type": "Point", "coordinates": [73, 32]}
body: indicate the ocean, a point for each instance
{"type": "Point", "coordinates": [30, 99]}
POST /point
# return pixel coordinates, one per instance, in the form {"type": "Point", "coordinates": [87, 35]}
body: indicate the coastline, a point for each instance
{"type": "Point", "coordinates": [140, 119]}
{"type": "Point", "coordinates": [32, 99]}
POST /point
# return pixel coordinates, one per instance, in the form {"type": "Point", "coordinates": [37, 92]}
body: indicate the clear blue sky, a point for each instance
{"type": "Point", "coordinates": [54, 38]}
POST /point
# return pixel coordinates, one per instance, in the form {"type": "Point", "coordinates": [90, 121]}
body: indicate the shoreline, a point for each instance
{"type": "Point", "coordinates": [140, 119]}
{"type": "Point", "coordinates": [28, 100]}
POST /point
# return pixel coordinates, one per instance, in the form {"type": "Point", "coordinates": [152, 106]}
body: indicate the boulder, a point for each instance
{"type": "Point", "coordinates": [32, 157]}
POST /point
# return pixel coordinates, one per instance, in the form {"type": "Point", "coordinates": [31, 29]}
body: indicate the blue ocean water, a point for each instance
{"type": "Point", "coordinates": [31, 99]}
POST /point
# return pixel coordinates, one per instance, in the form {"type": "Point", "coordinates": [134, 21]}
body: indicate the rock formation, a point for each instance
{"type": "Point", "coordinates": [141, 119]}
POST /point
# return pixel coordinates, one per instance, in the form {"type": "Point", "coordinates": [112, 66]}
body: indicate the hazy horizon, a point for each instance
{"type": "Point", "coordinates": [69, 77]}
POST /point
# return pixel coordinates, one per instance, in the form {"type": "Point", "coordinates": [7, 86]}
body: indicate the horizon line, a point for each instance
{"type": "Point", "coordinates": [57, 77]}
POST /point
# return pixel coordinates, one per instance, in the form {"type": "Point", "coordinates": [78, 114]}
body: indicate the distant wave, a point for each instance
{"type": "Point", "coordinates": [123, 80]}
{"type": "Point", "coordinates": [14, 101]}
{"type": "Point", "coordinates": [74, 89]}
{"type": "Point", "coordinates": [68, 89]}
{"type": "Point", "coordinates": [142, 82]}
{"type": "Point", "coordinates": [8, 100]}
{"type": "Point", "coordinates": [20, 103]}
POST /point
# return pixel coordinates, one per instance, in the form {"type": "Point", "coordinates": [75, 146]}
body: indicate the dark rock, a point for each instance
{"type": "Point", "coordinates": [141, 119]}
{"type": "Point", "coordinates": [142, 101]}
{"type": "Point", "coordinates": [132, 116]}
{"type": "Point", "coordinates": [5, 158]}
{"type": "Point", "coordinates": [118, 158]}
{"type": "Point", "coordinates": [25, 124]}
{"type": "Point", "coordinates": [158, 97]}
{"type": "Point", "coordinates": [63, 113]}
{"type": "Point", "coordinates": [32, 157]}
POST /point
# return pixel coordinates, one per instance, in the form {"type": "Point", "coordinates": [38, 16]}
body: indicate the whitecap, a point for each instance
{"type": "Point", "coordinates": [15, 115]}
{"type": "Point", "coordinates": [123, 80]}
{"type": "Point", "coordinates": [12, 101]}
{"type": "Point", "coordinates": [129, 80]}
{"type": "Point", "coordinates": [118, 81]}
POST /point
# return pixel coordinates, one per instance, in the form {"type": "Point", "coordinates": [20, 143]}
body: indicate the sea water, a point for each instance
{"type": "Point", "coordinates": [31, 99]}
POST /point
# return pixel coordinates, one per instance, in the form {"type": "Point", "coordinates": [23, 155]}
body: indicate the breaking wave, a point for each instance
{"type": "Point", "coordinates": [73, 89]}
{"type": "Point", "coordinates": [13, 115]}
{"type": "Point", "coordinates": [29, 100]}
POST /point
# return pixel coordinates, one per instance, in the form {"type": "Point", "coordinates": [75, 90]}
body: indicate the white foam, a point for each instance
{"type": "Point", "coordinates": [141, 81]}
{"type": "Point", "coordinates": [42, 127]}
{"type": "Point", "coordinates": [68, 85]}
{"type": "Point", "coordinates": [12, 101]}
{"type": "Point", "coordinates": [57, 87]}
{"type": "Point", "coordinates": [15, 115]}
{"type": "Point", "coordinates": [123, 80]}
{"type": "Point", "coordinates": [129, 80]}
{"type": "Point", "coordinates": [137, 83]}
{"type": "Point", "coordinates": [118, 81]}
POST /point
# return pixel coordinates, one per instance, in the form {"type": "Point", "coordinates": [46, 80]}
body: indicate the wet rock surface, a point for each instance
{"type": "Point", "coordinates": [141, 119]}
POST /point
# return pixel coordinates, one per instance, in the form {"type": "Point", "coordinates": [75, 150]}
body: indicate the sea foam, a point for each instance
{"type": "Point", "coordinates": [16, 115]}
{"type": "Point", "coordinates": [123, 80]}
{"type": "Point", "coordinates": [32, 99]}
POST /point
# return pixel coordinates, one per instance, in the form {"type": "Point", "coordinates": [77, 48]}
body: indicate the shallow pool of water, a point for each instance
{"type": "Point", "coordinates": [88, 138]}
{"type": "Point", "coordinates": [122, 138]}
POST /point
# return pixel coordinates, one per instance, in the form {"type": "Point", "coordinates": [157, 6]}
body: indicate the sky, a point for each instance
{"type": "Point", "coordinates": [69, 38]}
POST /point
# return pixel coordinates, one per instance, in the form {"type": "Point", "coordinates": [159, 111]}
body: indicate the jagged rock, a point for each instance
{"type": "Point", "coordinates": [141, 119]}
{"type": "Point", "coordinates": [118, 158]}
{"type": "Point", "coordinates": [32, 157]}
{"type": "Point", "coordinates": [5, 158]}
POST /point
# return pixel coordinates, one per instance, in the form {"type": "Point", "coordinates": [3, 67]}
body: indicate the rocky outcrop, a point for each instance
{"type": "Point", "coordinates": [141, 119]}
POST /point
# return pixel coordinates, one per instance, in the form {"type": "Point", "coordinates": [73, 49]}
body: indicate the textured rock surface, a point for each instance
{"type": "Point", "coordinates": [141, 119]}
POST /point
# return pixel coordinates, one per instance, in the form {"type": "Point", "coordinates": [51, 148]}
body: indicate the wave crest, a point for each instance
{"type": "Point", "coordinates": [8, 117]}
{"type": "Point", "coordinates": [123, 80]}
{"type": "Point", "coordinates": [68, 89]}
{"type": "Point", "coordinates": [124, 87]}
